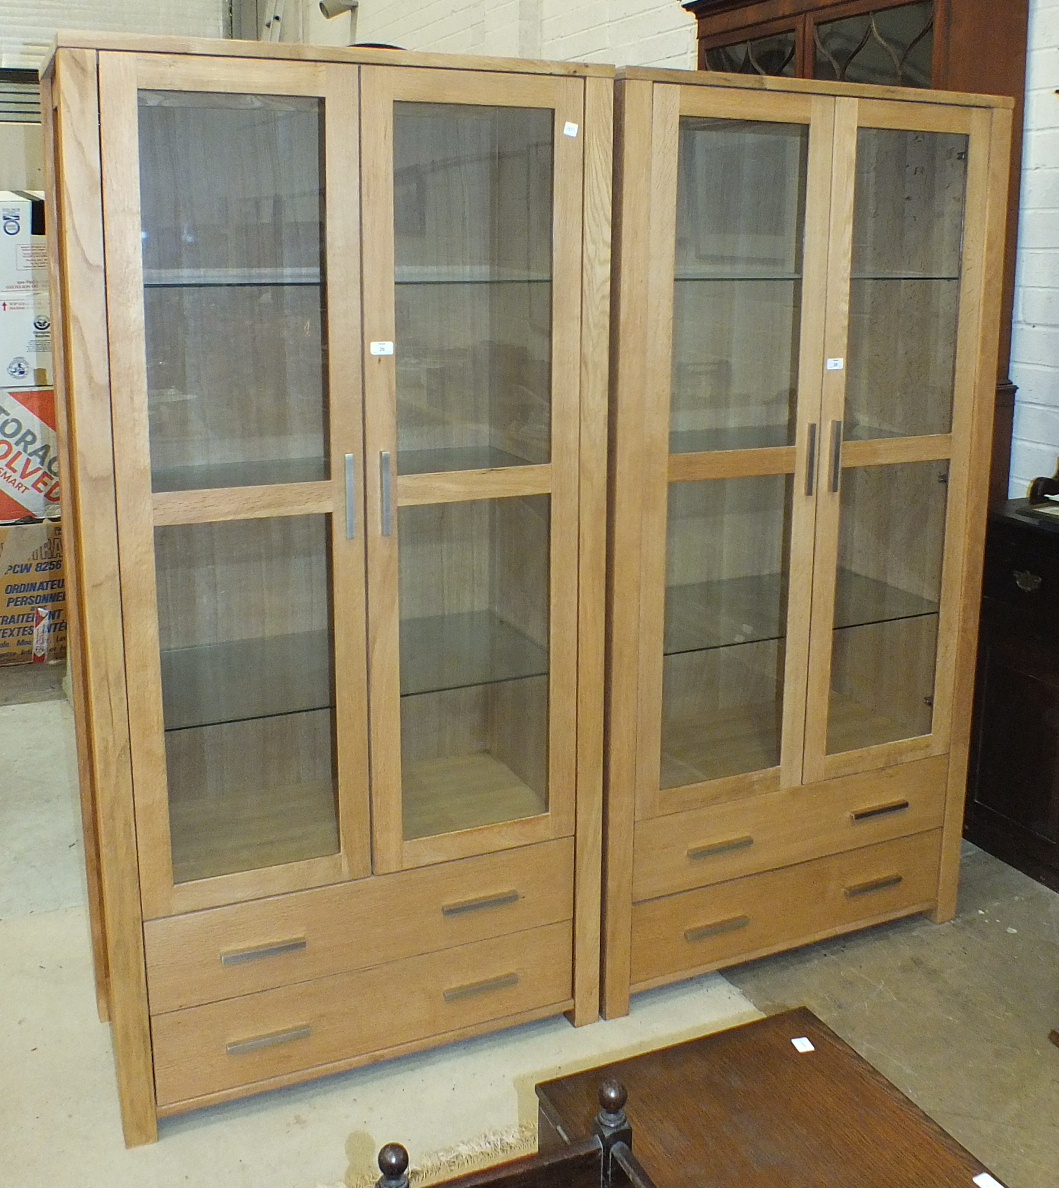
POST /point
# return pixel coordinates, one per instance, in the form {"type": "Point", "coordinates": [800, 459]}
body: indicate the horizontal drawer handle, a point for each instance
{"type": "Point", "coordinates": [721, 847]}
{"type": "Point", "coordinates": [705, 930]}
{"type": "Point", "coordinates": [239, 956]}
{"type": "Point", "coordinates": [881, 810]}
{"type": "Point", "coordinates": [1027, 581]}
{"type": "Point", "coordinates": [479, 905]}
{"type": "Point", "coordinates": [504, 982]}
{"type": "Point", "coordinates": [874, 885]}
{"type": "Point", "coordinates": [240, 1047]}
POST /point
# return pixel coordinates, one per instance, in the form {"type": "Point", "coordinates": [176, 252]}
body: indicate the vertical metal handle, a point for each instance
{"type": "Point", "coordinates": [386, 492]}
{"type": "Point", "coordinates": [836, 455]}
{"type": "Point", "coordinates": [810, 461]}
{"type": "Point", "coordinates": [351, 498]}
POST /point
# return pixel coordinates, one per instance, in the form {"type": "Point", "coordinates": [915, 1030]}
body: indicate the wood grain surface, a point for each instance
{"type": "Point", "coordinates": [744, 1107]}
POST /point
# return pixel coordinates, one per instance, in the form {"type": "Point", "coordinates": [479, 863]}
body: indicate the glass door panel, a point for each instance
{"type": "Point", "coordinates": [244, 620]}
{"type": "Point", "coordinates": [474, 606]}
{"type": "Point", "coordinates": [725, 627]}
{"type": "Point", "coordinates": [741, 193]}
{"type": "Point", "coordinates": [905, 286]}
{"type": "Point", "coordinates": [231, 192]}
{"type": "Point", "coordinates": [888, 589]}
{"type": "Point", "coordinates": [473, 270]}
{"type": "Point", "coordinates": [773, 53]}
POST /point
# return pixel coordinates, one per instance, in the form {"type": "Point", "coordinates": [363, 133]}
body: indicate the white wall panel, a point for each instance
{"type": "Point", "coordinates": [27, 27]}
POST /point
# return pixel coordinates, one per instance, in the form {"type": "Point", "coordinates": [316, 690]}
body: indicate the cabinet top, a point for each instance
{"type": "Point", "coordinates": [768, 82]}
{"type": "Point", "coordinates": [220, 47]}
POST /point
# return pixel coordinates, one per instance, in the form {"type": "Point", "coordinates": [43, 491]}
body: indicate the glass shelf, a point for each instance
{"type": "Point", "coordinates": [455, 458]}
{"type": "Point", "coordinates": [734, 275]}
{"type": "Point", "coordinates": [734, 611]}
{"type": "Point", "coordinates": [750, 437]}
{"type": "Point", "coordinates": [187, 278]}
{"type": "Point", "coordinates": [904, 276]}
{"type": "Point", "coordinates": [214, 475]}
{"type": "Point", "coordinates": [466, 274]}
{"type": "Point", "coordinates": [245, 679]}
{"type": "Point", "coordinates": [457, 651]}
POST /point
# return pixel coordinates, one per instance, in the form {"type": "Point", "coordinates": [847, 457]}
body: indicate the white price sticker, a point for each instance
{"type": "Point", "coordinates": [835, 364]}
{"type": "Point", "coordinates": [381, 348]}
{"type": "Point", "coordinates": [803, 1044]}
{"type": "Point", "coordinates": [570, 129]}
{"type": "Point", "coordinates": [985, 1180]}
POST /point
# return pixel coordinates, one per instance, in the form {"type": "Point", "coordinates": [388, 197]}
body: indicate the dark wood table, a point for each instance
{"type": "Point", "coordinates": [744, 1108]}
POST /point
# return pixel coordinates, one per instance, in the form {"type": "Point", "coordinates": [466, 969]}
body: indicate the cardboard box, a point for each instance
{"type": "Point", "coordinates": [25, 312]}
{"type": "Point", "coordinates": [32, 581]}
{"type": "Point", "coordinates": [29, 463]}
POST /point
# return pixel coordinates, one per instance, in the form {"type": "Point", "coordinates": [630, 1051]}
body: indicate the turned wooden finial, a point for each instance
{"type": "Point", "coordinates": [612, 1098]}
{"type": "Point", "coordinates": [393, 1163]}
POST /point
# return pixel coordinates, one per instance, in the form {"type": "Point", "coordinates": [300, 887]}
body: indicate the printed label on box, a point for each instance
{"type": "Point", "coordinates": [29, 464]}
{"type": "Point", "coordinates": [31, 569]}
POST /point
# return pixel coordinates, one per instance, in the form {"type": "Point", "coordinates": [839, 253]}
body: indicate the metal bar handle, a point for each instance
{"type": "Point", "coordinates": [879, 810]}
{"type": "Point", "coordinates": [386, 492]}
{"type": "Point", "coordinates": [721, 847]}
{"type": "Point", "coordinates": [503, 982]}
{"type": "Point", "coordinates": [810, 460]}
{"type": "Point", "coordinates": [241, 1047]}
{"type": "Point", "coordinates": [478, 905]}
{"type": "Point", "coordinates": [240, 956]}
{"type": "Point", "coordinates": [874, 885]}
{"type": "Point", "coordinates": [715, 929]}
{"type": "Point", "coordinates": [836, 455]}
{"type": "Point", "coordinates": [351, 497]}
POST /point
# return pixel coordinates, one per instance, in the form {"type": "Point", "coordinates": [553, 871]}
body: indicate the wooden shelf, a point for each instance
{"type": "Point", "coordinates": [248, 830]}
{"type": "Point", "coordinates": [446, 795]}
{"type": "Point", "coordinates": [740, 740]}
{"type": "Point", "coordinates": [736, 611]}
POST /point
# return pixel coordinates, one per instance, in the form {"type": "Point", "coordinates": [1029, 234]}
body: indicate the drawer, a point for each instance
{"type": "Point", "coordinates": [726, 841]}
{"type": "Point", "coordinates": [1022, 570]}
{"type": "Point", "coordinates": [277, 1033]}
{"type": "Point", "coordinates": [725, 923]}
{"type": "Point", "coordinates": [223, 952]}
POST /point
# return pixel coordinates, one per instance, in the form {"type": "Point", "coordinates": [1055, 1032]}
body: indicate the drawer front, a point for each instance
{"type": "Point", "coordinates": [719, 925]}
{"type": "Point", "coordinates": [224, 952]}
{"type": "Point", "coordinates": [1022, 570]}
{"type": "Point", "coordinates": [726, 841]}
{"type": "Point", "coordinates": [225, 1045]}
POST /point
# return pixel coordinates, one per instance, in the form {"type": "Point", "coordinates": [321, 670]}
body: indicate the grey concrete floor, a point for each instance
{"type": "Point", "coordinates": [956, 1015]}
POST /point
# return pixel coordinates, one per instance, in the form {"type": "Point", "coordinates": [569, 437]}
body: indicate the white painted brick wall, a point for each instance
{"type": "Point", "coordinates": [624, 32]}
{"type": "Point", "coordinates": [1035, 337]}
{"type": "Point", "coordinates": [27, 29]}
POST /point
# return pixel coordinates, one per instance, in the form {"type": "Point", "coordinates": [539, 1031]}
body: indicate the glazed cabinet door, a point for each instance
{"type": "Point", "coordinates": [232, 264]}
{"type": "Point", "coordinates": [472, 223]}
{"type": "Point", "coordinates": [721, 458]}
{"type": "Point", "coordinates": [903, 329]}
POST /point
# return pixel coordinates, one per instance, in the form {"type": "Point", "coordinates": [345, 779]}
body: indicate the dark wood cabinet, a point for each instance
{"type": "Point", "coordinates": [1013, 784]}
{"type": "Point", "coordinates": [954, 45]}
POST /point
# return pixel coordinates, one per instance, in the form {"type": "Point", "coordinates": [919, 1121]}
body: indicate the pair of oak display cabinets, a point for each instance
{"type": "Point", "coordinates": [476, 620]}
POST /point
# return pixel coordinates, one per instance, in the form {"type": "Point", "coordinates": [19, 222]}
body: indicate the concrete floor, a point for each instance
{"type": "Point", "coordinates": [956, 1015]}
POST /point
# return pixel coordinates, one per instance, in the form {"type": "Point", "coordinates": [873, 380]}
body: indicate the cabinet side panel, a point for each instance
{"type": "Point", "coordinates": [72, 556]}
{"type": "Point", "coordinates": [595, 326]}
{"type": "Point", "coordinates": [78, 202]}
{"type": "Point", "coordinates": [987, 206]}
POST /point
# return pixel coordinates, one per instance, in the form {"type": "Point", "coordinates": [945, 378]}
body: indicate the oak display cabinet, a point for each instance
{"type": "Point", "coordinates": [808, 291]}
{"type": "Point", "coordinates": [334, 335]}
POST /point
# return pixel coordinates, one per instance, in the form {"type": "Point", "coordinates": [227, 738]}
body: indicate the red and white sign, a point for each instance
{"type": "Point", "coordinates": [29, 463]}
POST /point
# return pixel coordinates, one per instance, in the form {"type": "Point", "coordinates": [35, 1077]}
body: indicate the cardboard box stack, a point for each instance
{"type": "Point", "coordinates": [32, 586]}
